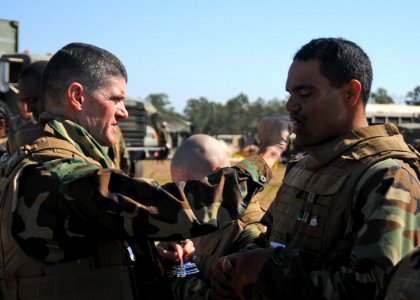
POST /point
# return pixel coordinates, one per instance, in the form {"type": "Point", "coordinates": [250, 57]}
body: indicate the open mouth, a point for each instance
{"type": "Point", "coordinates": [297, 123]}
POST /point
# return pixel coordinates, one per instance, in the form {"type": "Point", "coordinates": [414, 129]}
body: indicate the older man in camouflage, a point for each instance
{"type": "Point", "coordinates": [347, 210]}
{"type": "Point", "coordinates": [67, 217]}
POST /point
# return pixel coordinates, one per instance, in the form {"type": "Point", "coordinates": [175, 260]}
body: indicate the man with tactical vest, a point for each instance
{"type": "Point", "coordinates": [347, 210]}
{"type": "Point", "coordinates": [29, 84]}
{"type": "Point", "coordinates": [29, 102]}
{"type": "Point", "coordinates": [67, 217]}
{"type": "Point", "coordinates": [196, 157]}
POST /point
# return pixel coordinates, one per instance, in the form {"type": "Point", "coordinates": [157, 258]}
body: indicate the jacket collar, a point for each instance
{"type": "Point", "coordinates": [319, 155]}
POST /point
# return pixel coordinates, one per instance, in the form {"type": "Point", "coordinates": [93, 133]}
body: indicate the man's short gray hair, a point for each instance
{"type": "Point", "coordinates": [86, 64]}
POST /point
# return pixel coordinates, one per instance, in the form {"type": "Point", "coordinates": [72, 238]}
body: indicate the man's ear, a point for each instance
{"type": "Point", "coordinates": [353, 92]}
{"type": "Point", "coordinates": [76, 95]}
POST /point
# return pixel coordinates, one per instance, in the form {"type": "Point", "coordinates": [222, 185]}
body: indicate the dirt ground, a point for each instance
{"type": "Point", "coordinates": [159, 170]}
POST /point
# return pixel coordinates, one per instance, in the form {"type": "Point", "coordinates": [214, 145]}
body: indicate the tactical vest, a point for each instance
{"type": "Point", "coordinates": [313, 208]}
{"type": "Point", "coordinates": [23, 277]}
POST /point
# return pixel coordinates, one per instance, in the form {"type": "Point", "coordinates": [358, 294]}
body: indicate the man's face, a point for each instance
{"type": "Point", "coordinates": [316, 109]}
{"type": "Point", "coordinates": [102, 109]}
{"type": "Point", "coordinates": [28, 93]}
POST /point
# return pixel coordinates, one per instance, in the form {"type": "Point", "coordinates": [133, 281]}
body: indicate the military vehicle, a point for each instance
{"type": "Point", "coordinates": [406, 117]}
{"type": "Point", "coordinates": [12, 62]}
{"type": "Point", "coordinates": [135, 130]}
{"type": "Point", "coordinates": [411, 133]}
{"type": "Point", "coordinates": [141, 130]}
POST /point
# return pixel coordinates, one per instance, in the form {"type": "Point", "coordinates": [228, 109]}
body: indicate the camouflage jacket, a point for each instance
{"type": "Point", "coordinates": [66, 206]}
{"type": "Point", "coordinates": [228, 239]}
{"type": "Point", "coordinates": [378, 227]}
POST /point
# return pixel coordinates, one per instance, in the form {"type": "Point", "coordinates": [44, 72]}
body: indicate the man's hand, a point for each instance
{"type": "Point", "coordinates": [273, 133]}
{"type": "Point", "coordinates": [183, 250]}
{"type": "Point", "coordinates": [234, 275]}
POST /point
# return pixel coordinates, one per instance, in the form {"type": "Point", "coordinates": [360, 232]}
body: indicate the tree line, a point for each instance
{"type": "Point", "coordinates": [239, 115]}
{"type": "Point", "coordinates": [381, 96]}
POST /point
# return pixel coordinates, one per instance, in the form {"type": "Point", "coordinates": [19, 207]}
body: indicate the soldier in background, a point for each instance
{"type": "Point", "coordinates": [67, 216]}
{"type": "Point", "coordinates": [29, 99]}
{"type": "Point", "coordinates": [196, 157]}
{"type": "Point", "coordinates": [164, 140]}
{"type": "Point", "coordinates": [29, 84]}
{"type": "Point", "coordinates": [347, 211]}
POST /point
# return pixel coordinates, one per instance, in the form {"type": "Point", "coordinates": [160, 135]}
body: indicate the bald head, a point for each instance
{"type": "Point", "coordinates": [197, 157]}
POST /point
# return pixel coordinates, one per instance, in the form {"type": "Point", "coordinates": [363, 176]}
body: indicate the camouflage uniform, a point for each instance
{"type": "Point", "coordinates": [71, 205]}
{"type": "Point", "coordinates": [209, 248]}
{"type": "Point", "coordinates": [346, 213]}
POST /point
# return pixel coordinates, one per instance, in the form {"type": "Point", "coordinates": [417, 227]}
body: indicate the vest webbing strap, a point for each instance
{"type": "Point", "coordinates": [362, 156]}
{"type": "Point", "coordinates": [51, 147]}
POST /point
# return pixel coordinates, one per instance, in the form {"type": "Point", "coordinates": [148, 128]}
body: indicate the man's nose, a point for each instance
{"type": "Point", "coordinates": [292, 105]}
{"type": "Point", "coordinates": [121, 112]}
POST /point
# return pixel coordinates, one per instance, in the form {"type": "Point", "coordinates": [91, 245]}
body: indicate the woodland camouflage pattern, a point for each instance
{"type": "Point", "coordinates": [385, 228]}
{"type": "Point", "coordinates": [209, 248]}
{"type": "Point", "coordinates": [67, 204]}
{"type": "Point", "coordinates": [64, 202]}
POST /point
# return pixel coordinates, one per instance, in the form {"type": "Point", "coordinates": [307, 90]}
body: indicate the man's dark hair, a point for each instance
{"type": "Point", "coordinates": [33, 75]}
{"type": "Point", "coordinates": [339, 61]}
{"type": "Point", "coordinates": [86, 64]}
{"type": "Point", "coordinates": [35, 69]}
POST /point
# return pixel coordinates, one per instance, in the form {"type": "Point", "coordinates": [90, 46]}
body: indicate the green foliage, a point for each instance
{"type": "Point", "coordinates": [162, 103]}
{"type": "Point", "coordinates": [201, 113]}
{"type": "Point", "coordinates": [413, 97]}
{"type": "Point", "coordinates": [237, 116]}
{"type": "Point", "coordinates": [381, 96]}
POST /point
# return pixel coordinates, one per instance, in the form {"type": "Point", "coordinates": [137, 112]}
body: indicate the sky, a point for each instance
{"type": "Point", "coordinates": [218, 49]}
